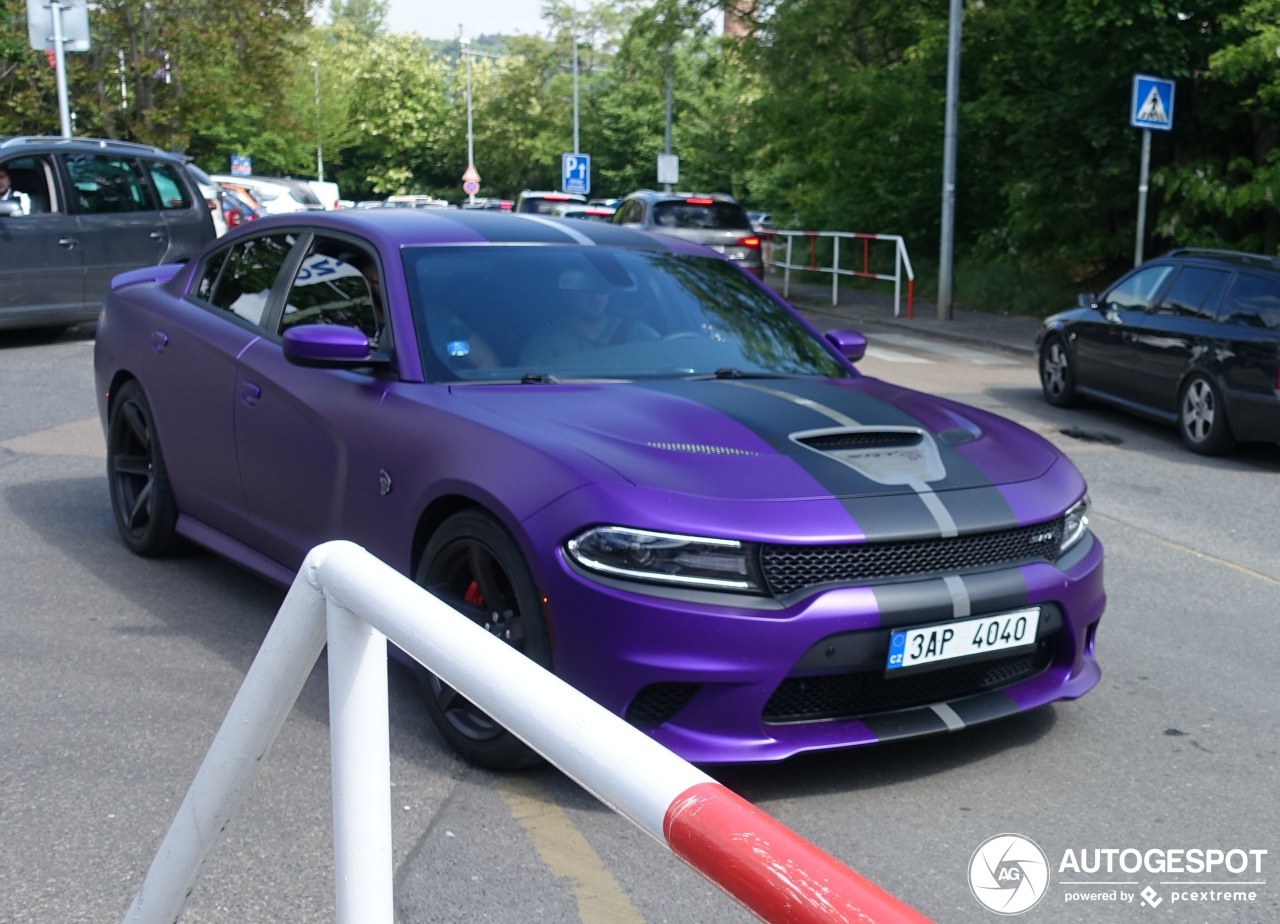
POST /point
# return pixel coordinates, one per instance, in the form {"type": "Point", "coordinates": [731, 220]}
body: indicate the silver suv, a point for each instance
{"type": "Point", "coordinates": [80, 210]}
{"type": "Point", "coordinates": [714, 219]}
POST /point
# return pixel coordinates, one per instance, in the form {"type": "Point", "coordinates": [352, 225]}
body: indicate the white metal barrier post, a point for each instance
{"type": "Point", "coordinates": [901, 263]}
{"type": "Point", "coordinates": [768, 868]}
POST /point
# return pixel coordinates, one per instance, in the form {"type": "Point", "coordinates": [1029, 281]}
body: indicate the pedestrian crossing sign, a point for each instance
{"type": "Point", "coordinates": [1152, 103]}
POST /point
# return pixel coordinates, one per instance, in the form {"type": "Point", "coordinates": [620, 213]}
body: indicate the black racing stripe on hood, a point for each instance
{"type": "Point", "coordinates": [769, 408]}
{"type": "Point", "coordinates": [978, 506]}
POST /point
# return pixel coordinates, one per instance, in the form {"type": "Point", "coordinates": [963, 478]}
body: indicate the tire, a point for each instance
{"type": "Point", "coordinates": [472, 564]}
{"type": "Point", "coordinates": [1057, 376]}
{"type": "Point", "coordinates": [142, 500]}
{"type": "Point", "coordinates": [1202, 417]}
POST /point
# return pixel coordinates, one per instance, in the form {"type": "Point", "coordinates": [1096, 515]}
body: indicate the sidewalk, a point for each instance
{"type": "Point", "coordinates": [859, 308]}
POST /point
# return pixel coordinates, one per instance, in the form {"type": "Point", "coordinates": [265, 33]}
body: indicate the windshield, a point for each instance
{"type": "Point", "coordinates": [552, 313]}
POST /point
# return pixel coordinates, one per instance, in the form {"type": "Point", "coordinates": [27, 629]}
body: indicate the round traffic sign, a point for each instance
{"type": "Point", "coordinates": [470, 187]}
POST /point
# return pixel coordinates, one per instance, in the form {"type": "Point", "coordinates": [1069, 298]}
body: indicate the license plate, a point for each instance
{"type": "Point", "coordinates": [966, 638]}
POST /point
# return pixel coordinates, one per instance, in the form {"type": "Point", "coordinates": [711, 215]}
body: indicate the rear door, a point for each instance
{"type": "Point", "coordinates": [121, 227]}
{"type": "Point", "coordinates": [1175, 332]}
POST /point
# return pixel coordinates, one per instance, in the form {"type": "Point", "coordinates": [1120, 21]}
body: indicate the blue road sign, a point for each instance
{"type": "Point", "coordinates": [1152, 103]}
{"type": "Point", "coordinates": [575, 173]}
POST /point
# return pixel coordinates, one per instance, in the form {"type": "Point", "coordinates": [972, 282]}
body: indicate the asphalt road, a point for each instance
{"type": "Point", "coordinates": [115, 673]}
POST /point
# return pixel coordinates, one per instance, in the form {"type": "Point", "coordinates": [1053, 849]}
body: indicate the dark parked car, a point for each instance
{"type": "Point", "coordinates": [616, 451]}
{"type": "Point", "coordinates": [715, 220]}
{"type": "Point", "coordinates": [1191, 338]}
{"type": "Point", "coordinates": [89, 209]}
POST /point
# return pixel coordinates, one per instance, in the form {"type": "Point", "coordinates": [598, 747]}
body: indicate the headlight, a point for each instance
{"type": "Point", "coordinates": [691, 561]}
{"type": "Point", "coordinates": [1075, 524]}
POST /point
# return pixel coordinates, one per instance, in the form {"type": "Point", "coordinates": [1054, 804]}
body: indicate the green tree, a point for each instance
{"type": "Point", "coordinates": [366, 17]}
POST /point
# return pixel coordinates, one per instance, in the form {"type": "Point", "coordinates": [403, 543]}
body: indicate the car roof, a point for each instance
{"type": "Point", "coordinates": [1236, 257]}
{"type": "Point", "coordinates": [83, 144]}
{"type": "Point", "coordinates": [675, 196]}
{"type": "Point", "coordinates": [391, 229]}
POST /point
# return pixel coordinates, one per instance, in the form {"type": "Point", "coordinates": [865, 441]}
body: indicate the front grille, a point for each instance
{"type": "Point", "coordinates": [789, 568]}
{"type": "Point", "coordinates": [852, 696]}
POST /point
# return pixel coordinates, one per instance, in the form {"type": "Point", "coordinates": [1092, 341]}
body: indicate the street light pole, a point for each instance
{"type": "Point", "coordinates": [315, 70]}
{"type": "Point", "coordinates": [573, 37]}
{"type": "Point", "coordinates": [471, 142]}
{"type": "Point", "coordinates": [947, 246]}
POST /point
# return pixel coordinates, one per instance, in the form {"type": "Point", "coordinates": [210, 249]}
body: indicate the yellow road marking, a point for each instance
{"type": "Point", "coordinates": [78, 438]}
{"type": "Point", "coordinates": [567, 854]}
{"type": "Point", "coordinates": [1179, 547]}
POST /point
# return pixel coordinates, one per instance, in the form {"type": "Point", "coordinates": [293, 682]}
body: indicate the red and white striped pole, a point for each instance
{"type": "Point", "coordinates": [363, 603]}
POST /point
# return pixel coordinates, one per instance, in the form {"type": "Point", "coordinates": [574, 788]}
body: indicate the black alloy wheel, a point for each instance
{"type": "Point", "coordinates": [472, 564]}
{"type": "Point", "coordinates": [1202, 417]}
{"type": "Point", "coordinates": [142, 500]}
{"type": "Point", "coordinates": [1057, 377]}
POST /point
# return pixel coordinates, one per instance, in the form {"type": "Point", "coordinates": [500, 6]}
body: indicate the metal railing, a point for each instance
{"type": "Point", "coordinates": [819, 246]}
{"type": "Point", "coordinates": [357, 603]}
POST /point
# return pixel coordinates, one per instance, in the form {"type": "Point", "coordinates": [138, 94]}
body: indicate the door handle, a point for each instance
{"type": "Point", "coordinates": [68, 242]}
{"type": "Point", "coordinates": [159, 340]}
{"type": "Point", "coordinates": [157, 235]}
{"type": "Point", "coordinates": [249, 394]}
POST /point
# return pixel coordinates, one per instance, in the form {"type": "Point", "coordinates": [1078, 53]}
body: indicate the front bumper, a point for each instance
{"type": "Point", "coordinates": [730, 679]}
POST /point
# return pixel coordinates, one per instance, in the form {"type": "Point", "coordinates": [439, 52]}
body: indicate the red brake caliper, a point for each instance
{"type": "Point", "coordinates": [473, 595]}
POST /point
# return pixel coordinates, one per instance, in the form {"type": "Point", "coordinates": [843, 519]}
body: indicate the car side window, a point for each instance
{"type": "Point", "coordinates": [238, 279]}
{"type": "Point", "coordinates": [31, 179]}
{"type": "Point", "coordinates": [1253, 301]}
{"type": "Point", "coordinates": [630, 212]}
{"type": "Point", "coordinates": [1194, 293]}
{"type": "Point", "coordinates": [164, 176]}
{"type": "Point", "coordinates": [336, 283]}
{"type": "Point", "coordinates": [1137, 292]}
{"type": "Point", "coordinates": [105, 183]}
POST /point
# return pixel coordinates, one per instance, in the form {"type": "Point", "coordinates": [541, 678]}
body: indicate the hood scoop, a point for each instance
{"type": "Point", "coordinates": [886, 455]}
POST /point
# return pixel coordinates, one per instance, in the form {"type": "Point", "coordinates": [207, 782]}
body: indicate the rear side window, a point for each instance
{"type": "Point", "coordinates": [707, 214]}
{"type": "Point", "coordinates": [103, 184]}
{"type": "Point", "coordinates": [1194, 293]}
{"type": "Point", "coordinates": [238, 280]}
{"type": "Point", "coordinates": [169, 185]}
{"type": "Point", "coordinates": [1253, 301]}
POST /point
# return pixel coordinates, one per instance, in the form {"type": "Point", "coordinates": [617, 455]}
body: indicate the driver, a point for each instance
{"type": "Point", "coordinates": [585, 323]}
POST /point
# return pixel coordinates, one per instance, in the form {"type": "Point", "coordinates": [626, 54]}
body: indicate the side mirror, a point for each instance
{"type": "Point", "coordinates": [1087, 300]}
{"type": "Point", "coordinates": [327, 345]}
{"type": "Point", "coordinates": [10, 207]}
{"type": "Point", "coordinates": [851, 344]}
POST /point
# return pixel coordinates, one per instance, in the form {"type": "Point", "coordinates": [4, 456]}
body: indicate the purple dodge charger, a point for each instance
{"type": "Point", "coordinates": [616, 451]}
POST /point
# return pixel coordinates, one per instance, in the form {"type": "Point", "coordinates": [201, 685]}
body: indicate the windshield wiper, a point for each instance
{"type": "Point", "coordinates": [538, 378]}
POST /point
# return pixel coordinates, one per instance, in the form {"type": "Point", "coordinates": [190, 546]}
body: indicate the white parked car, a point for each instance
{"type": "Point", "coordinates": [278, 196]}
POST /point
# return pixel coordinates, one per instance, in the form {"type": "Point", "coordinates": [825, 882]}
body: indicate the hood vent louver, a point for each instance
{"type": "Point", "coordinates": [842, 440]}
{"type": "Point", "coordinates": [702, 449]}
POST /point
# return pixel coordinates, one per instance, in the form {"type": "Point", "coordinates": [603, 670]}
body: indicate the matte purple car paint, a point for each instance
{"type": "Point", "coordinates": [368, 454]}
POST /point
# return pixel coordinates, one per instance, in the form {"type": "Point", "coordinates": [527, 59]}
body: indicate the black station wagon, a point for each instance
{"type": "Point", "coordinates": [1191, 338]}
